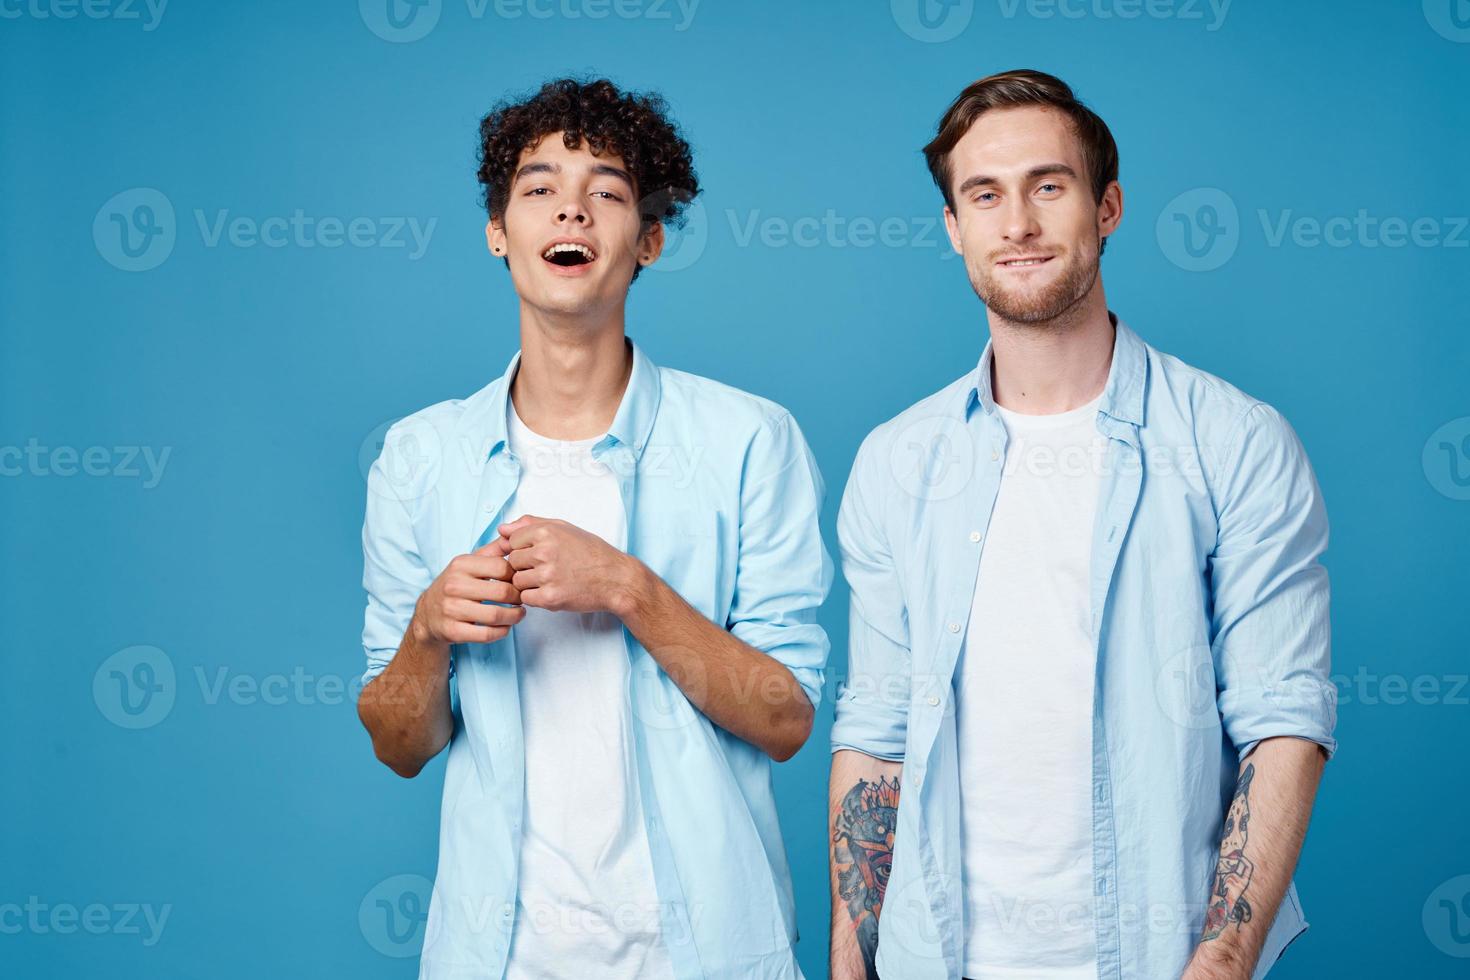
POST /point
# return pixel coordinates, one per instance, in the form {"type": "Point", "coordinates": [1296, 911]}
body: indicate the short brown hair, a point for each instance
{"type": "Point", "coordinates": [1015, 89]}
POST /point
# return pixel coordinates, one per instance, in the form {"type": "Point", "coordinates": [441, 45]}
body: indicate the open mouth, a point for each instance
{"type": "Point", "coordinates": [1026, 262]}
{"type": "Point", "coordinates": [569, 254]}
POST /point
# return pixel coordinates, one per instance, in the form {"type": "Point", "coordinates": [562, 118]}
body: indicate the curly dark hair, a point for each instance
{"type": "Point", "coordinates": [633, 126]}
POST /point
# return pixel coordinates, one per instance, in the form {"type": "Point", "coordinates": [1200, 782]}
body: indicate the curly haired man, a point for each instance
{"type": "Point", "coordinates": [596, 581]}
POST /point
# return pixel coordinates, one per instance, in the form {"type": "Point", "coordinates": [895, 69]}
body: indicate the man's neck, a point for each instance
{"type": "Point", "coordinates": [571, 376]}
{"type": "Point", "coordinates": [1047, 368]}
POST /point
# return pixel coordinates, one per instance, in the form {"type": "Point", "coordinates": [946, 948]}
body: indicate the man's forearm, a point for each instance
{"type": "Point", "coordinates": [863, 808]}
{"type": "Point", "coordinates": [406, 708]}
{"type": "Point", "coordinates": [744, 691]}
{"type": "Point", "coordinates": [1261, 841]}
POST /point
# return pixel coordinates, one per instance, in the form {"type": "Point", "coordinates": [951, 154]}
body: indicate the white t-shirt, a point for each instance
{"type": "Point", "coordinates": [1024, 710]}
{"type": "Point", "coordinates": [588, 907]}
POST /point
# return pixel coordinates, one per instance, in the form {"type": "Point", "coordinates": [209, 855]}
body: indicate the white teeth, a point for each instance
{"type": "Point", "coordinates": [1023, 262]}
{"type": "Point", "coordinates": [568, 247]}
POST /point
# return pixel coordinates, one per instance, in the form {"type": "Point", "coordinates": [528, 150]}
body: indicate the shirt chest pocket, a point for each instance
{"type": "Point", "coordinates": [689, 550]}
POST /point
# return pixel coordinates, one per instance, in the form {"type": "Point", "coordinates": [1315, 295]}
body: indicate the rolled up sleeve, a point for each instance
{"type": "Point", "coordinates": [872, 707]}
{"type": "Point", "coordinates": [783, 571]}
{"type": "Point", "coordinates": [394, 574]}
{"type": "Point", "coordinates": [1270, 631]}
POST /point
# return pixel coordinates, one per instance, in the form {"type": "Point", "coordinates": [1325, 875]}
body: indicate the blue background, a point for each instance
{"type": "Point", "coordinates": [264, 372]}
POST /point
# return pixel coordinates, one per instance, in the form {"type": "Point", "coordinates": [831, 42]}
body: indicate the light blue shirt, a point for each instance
{"type": "Point", "coordinates": [722, 498]}
{"type": "Point", "coordinates": [1210, 623]}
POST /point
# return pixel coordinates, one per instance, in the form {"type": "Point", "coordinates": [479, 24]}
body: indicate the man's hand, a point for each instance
{"type": "Point", "coordinates": [559, 566]}
{"type": "Point", "coordinates": [453, 609]}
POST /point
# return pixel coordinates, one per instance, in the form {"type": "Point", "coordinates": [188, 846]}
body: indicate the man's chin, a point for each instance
{"type": "Point", "coordinates": [1023, 309]}
{"type": "Point", "coordinates": [1041, 304]}
{"type": "Point", "coordinates": [565, 298]}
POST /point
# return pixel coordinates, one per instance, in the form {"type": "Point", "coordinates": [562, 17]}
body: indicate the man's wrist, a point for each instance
{"type": "Point", "coordinates": [419, 631]}
{"type": "Point", "coordinates": [633, 591]}
{"type": "Point", "coordinates": [1215, 960]}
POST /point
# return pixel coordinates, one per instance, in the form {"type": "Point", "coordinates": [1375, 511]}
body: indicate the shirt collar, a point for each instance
{"type": "Point", "coordinates": [630, 426]}
{"type": "Point", "coordinates": [1122, 396]}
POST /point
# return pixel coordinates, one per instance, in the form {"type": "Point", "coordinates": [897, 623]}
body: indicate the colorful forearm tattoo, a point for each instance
{"type": "Point", "coordinates": [862, 837]}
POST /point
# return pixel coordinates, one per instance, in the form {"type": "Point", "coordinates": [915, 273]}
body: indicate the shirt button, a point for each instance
{"type": "Point", "coordinates": [954, 627]}
{"type": "Point", "coordinates": [933, 702]}
{"type": "Point", "coordinates": [975, 537]}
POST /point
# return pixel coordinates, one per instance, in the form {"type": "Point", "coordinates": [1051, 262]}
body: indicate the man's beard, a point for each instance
{"type": "Point", "coordinates": [1041, 306]}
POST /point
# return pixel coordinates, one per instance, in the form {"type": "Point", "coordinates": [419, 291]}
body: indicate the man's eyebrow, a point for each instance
{"type": "Point", "coordinates": [606, 170]}
{"type": "Point", "coordinates": [600, 169]}
{"type": "Point", "coordinates": [1041, 170]}
{"type": "Point", "coordinates": [536, 168]}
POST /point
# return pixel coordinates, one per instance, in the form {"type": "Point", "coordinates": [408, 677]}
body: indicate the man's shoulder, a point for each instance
{"type": "Point", "coordinates": [1185, 385]}
{"type": "Point", "coordinates": [705, 401]}
{"type": "Point", "coordinates": [936, 416]}
{"type": "Point", "coordinates": [1188, 403]}
{"type": "Point", "coordinates": [452, 413]}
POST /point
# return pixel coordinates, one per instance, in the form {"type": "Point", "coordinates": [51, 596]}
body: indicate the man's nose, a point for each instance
{"type": "Point", "coordinates": [1020, 223]}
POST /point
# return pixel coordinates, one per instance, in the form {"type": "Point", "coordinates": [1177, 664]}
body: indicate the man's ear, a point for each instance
{"type": "Point", "coordinates": [952, 225]}
{"type": "Point", "coordinates": [495, 237]}
{"type": "Point", "coordinates": [1110, 210]}
{"type": "Point", "coordinates": [651, 244]}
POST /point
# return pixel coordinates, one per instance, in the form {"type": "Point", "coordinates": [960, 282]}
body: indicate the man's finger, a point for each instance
{"type": "Point", "coordinates": [498, 548]}
{"type": "Point", "coordinates": [528, 579]}
{"type": "Point", "coordinates": [521, 558]}
{"type": "Point", "coordinates": [483, 566]}
{"type": "Point", "coordinates": [483, 614]}
{"type": "Point", "coordinates": [525, 520]}
{"type": "Point", "coordinates": [495, 589]}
